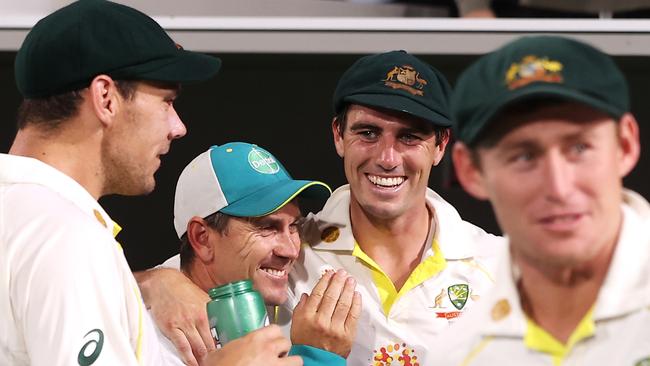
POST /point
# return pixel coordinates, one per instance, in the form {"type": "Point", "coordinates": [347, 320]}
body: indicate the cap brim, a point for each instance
{"type": "Point", "coordinates": [400, 103]}
{"type": "Point", "coordinates": [183, 67]}
{"type": "Point", "coordinates": [545, 90]}
{"type": "Point", "coordinates": [273, 197]}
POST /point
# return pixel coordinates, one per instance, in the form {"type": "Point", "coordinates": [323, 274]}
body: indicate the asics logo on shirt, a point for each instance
{"type": "Point", "coordinates": [90, 351]}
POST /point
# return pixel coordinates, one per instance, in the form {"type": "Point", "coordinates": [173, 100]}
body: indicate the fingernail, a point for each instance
{"type": "Point", "coordinates": [341, 272]}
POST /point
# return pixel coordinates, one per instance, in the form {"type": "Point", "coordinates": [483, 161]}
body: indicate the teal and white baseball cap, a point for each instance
{"type": "Point", "coordinates": [237, 179]}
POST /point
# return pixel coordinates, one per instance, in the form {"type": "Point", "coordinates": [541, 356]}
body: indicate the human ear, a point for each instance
{"type": "Point", "coordinates": [103, 97]}
{"type": "Point", "coordinates": [469, 174]}
{"type": "Point", "coordinates": [440, 148]}
{"type": "Point", "coordinates": [198, 236]}
{"type": "Point", "coordinates": [628, 138]}
{"type": "Point", "coordinates": [337, 133]}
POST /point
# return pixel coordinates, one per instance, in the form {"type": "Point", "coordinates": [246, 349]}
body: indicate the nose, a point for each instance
{"type": "Point", "coordinates": [388, 157]}
{"type": "Point", "coordinates": [558, 177]}
{"type": "Point", "coordinates": [289, 246]}
{"type": "Point", "coordinates": [178, 129]}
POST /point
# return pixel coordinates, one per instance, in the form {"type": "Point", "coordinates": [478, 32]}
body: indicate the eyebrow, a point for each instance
{"type": "Point", "coordinates": [363, 126]}
{"type": "Point", "coordinates": [269, 221]}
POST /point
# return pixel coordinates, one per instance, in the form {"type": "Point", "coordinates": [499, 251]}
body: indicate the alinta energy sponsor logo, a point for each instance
{"type": "Point", "coordinates": [407, 78]}
{"type": "Point", "coordinates": [262, 162]}
{"type": "Point", "coordinates": [395, 354]}
{"type": "Point", "coordinates": [533, 69]}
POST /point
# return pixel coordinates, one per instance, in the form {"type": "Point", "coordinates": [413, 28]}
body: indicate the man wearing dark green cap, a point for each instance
{"type": "Point", "coordinates": [99, 81]}
{"type": "Point", "coordinates": [418, 265]}
{"type": "Point", "coordinates": [546, 135]}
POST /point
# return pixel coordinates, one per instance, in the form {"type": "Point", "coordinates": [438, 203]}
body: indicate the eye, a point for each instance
{"type": "Point", "coordinates": [579, 148]}
{"type": "Point", "coordinates": [521, 157]}
{"type": "Point", "coordinates": [293, 228]}
{"type": "Point", "coordinates": [410, 139]}
{"type": "Point", "coordinates": [266, 230]}
{"type": "Point", "coordinates": [367, 134]}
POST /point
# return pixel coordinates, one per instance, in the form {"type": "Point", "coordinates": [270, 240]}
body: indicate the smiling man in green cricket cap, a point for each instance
{"type": "Point", "coordinates": [546, 134]}
{"type": "Point", "coordinates": [418, 266]}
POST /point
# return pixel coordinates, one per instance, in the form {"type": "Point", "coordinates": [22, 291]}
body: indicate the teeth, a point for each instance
{"type": "Point", "coordinates": [274, 272]}
{"type": "Point", "coordinates": [386, 182]}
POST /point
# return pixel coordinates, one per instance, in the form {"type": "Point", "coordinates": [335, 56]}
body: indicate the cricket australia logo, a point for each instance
{"type": "Point", "coordinates": [531, 69]}
{"type": "Point", "coordinates": [407, 78]}
{"type": "Point", "coordinates": [263, 162]}
{"type": "Point", "coordinates": [458, 295]}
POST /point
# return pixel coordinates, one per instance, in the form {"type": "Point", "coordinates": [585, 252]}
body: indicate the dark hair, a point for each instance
{"type": "Point", "coordinates": [341, 118]}
{"type": "Point", "coordinates": [217, 221]}
{"type": "Point", "coordinates": [49, 112]}
{"type": "Point", "coordinates": [503, 121]}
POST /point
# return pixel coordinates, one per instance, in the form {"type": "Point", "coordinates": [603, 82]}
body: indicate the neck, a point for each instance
{"type": "Point", "coordinates": [198, 273]}
{"type": "Point", "coordinates": [75, 153]}
{"type": "Point", "coordinates": [558, 298]}
{"type": "Point", "coordinates": [396, 244]}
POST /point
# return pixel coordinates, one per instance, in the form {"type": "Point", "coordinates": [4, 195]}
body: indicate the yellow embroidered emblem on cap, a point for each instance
{"type": "Point", "coordinates": [330, 234]}
{"type": "Point", "coordinates": [500, 310]}
{"type": "Point", "coordinates": [531, 69]}
{"type": "Point", "coordinates": [407, 78]}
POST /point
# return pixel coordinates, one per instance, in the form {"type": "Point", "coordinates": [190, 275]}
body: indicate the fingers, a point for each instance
{"type": "Point", "coordinates": [195, 340]}
{"type": "Point", "coordinates": [344, 303]}
{"type": "Point", "coordinates": [314, 300]}
{"type": "Point", "coordinates": [332, 295]}
{"type": "Point", "coordinates": [272, 339]}
{"type": "Point", "coordinates": [354, 314]}
{"type": "Point", "coordinates": [203, 327]}
{"type": "Point", "coordinates": [183, 347]}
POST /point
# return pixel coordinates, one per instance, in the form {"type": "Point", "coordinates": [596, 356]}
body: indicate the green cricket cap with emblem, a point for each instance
{"type": "Point", "coordinates": [532, 68]}
{"type": "Point", "coordinates": [65, 50]}
{"type": "Point", "coordinates": [237, 179]}
{"type": "Point", "coordinates": [396, 81]}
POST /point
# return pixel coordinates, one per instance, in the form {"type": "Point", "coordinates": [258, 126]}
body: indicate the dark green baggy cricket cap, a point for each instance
{"type": "Point", "coordinates": [533, 68]}
{"type": "Point", "coordinates": [67, 49]}
{"type": "Point", "coordinates": [396, 81]}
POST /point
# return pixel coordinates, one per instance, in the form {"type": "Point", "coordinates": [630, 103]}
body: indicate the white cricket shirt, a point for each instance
{"type": "Point", "coordinates": [67, 295]}
{"type": "Point", "coordinates": [397, 327]}
{"type": "Point", "coordinates": [616, 331]}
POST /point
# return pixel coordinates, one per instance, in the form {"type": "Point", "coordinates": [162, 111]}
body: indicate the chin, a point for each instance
{"type": "Point", "coordinates": [273, 298]}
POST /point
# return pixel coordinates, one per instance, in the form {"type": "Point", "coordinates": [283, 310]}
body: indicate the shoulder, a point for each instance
{"type": "Point", "coordinates": [458, 237]}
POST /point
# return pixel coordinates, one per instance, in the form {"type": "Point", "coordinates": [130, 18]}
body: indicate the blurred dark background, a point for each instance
{"type": "Point", "coordinates": [282, 103]}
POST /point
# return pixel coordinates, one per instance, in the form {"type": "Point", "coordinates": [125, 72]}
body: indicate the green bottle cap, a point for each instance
{"type": "Point", "coordinates": [231, 289]}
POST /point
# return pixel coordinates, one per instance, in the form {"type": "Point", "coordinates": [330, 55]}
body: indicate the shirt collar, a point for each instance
{"type": "Point", "coordinates": [25, 170]}
{"type": "Point", "coordinates": [626, 287]}
{"type": "Point", "coordinates": [330, 229]}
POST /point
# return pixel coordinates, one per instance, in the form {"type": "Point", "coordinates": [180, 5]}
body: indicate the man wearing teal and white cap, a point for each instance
{"type": "Point", "coordinates": [417, 264]}
{"type": "Point", "coordinates": [236, 214]}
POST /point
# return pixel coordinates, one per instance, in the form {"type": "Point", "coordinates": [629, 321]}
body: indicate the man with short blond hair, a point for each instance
{"type": "Point", "coordinates": [546, 134]}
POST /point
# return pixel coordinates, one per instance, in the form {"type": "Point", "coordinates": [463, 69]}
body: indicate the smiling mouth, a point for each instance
{"type": "Point", "coordinates": [274, 272]}
{"type": "Point", "coordinates": [388, 182]}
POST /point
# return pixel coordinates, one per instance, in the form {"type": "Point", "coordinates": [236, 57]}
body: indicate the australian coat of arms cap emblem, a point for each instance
{"type": "Point", "coordinates": [533, 69]}
{"type": "Point", "coordinates": [407, 78]}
